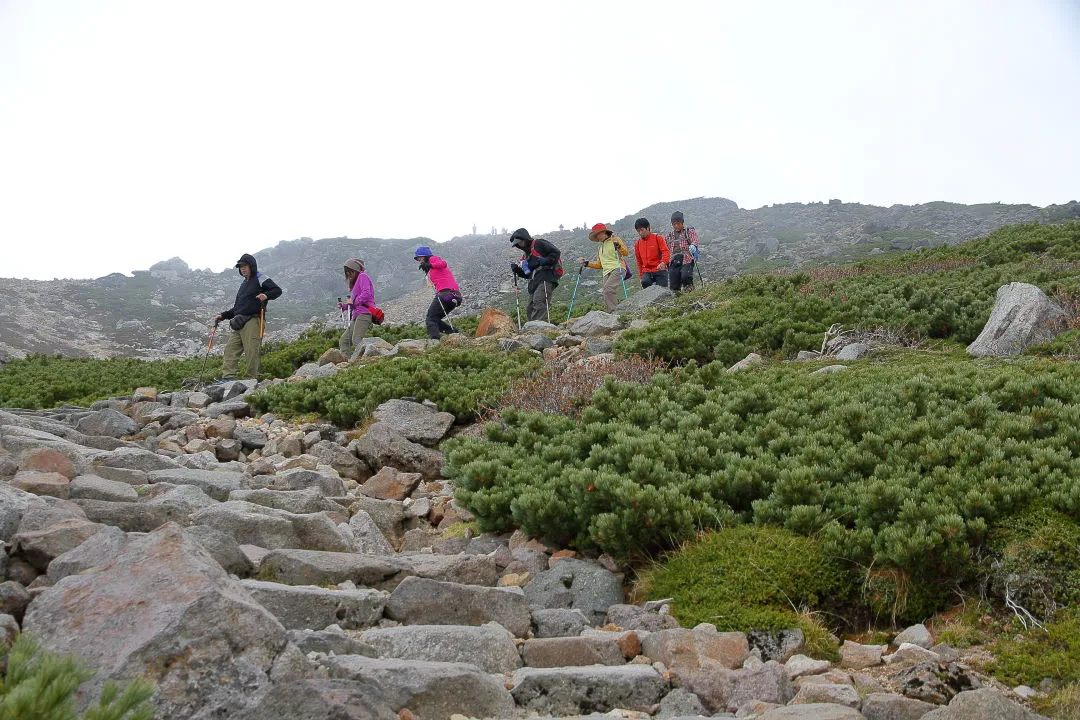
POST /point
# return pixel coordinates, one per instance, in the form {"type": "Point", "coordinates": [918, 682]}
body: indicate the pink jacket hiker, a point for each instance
{"type": "Point", "coordinates": [440, 275]}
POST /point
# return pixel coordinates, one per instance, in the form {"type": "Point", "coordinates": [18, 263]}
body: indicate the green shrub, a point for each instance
{"type": "Point", "coordinates": [751, 578]}
{"type": "Point", "coordinates": [459, 381]}
{"type": "Point", "coordinates": [902, 465]}
{"type": "Point", "coordinates": [40, 685]}
{"type": "Point", "coordinates": [1035, 654]}
{"type": "Point", "coordinates": [943, 293]}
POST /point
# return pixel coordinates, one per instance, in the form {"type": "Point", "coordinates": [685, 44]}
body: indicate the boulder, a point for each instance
{"type": "Point", "coordinates": [576, 584]}
{"type": "Point", "coordinates": [776, 645]}
{"type": "Point", "coordinates": [39, 547]}
{"type": "Point", "coordinates": [633, 617]}
{"type": "Point", "coordinates": [490, 647]}
{"type": "Point", "coordinates": [332, 357]}
{"type": "Point", "coordinates": [48, 461]}
{"type": "Point", "coordinates": [216, 484]}
{"type": "Point", "coordinates": [236, 408]}
{"type": "Point", "coordinates": [369, 539]}
{"type": "Point", "coordinates": [815, 711]}
{"type": "Point", "coordinates": [107, 422]}
{"type": "Point", "coordinates": [584, 690]}
{"type": "Point", "coordinates": [92, 487]}
{"type": "Point", "coordinates": [494, 322]}
{"type": "Point", "coordinates": [13, 505]}
{"type": "Point", "coordinates": [1022, 316]}
{"type": "Point", "coordinates": [827, 693]}
{"type": "Point", "coordinates": [888, 706]}
{"type": "Point", "coordinates": [388, 516]}
{"type": "Point", "coordinates": [163, 608]}
{"type": "Point", "coordinates": [982, 704]}
{"type": "Point", "coordinates": [300, 502]}
{"type": "Point", "coordinates": [14, 599]}
{"type": "Point", "coordinates": [720, 689]}
{"type": "Point", "coordinates": [250, 438]}
{"type": "Point", "coordinates": [315, 370]}
{"type": "Point", "coordinates": [643, 298]}
{"type": "Point", "coordinates": [131, 458]}
{"type": "Point", "coordinates": [415, 421]}
{"type": "Point", "coordinates": [97, 550]}
{"type": "Point", "coordinates": [419, 601]}
{"type": "Point", "coordinates": [571, 651]}
{"type": "Point", "coordinates": [313, 567]}
{"type": "Point", "coordinates": [936, 682]}
{"type": "Point", "coordinates": [304, 479]}
{"type": "Point", "coordinates": [330, 640]}
{"type": "Point", "coordinates": [799, 665]}
{"type": "Point", "coordinates": [42, 483]}
{"type": "Point", "coordinates": [750, 361]}
{"type": "Point", "coordinates": [300, 607]}
{"type": "Point", "coordinates": [465, 569]}
{"type": "Point", "coordinates": [916, 635]}
{"type": "Point", "coordinates": [539, 326]}
{"type": "Point", "coordinates": [853, 351]}
{"type": "Point", "coordinates": [390, 484]}
{"type": "Point", "coordinates": [683, 649]}
{"type": "Point", "coordinates": [301, 699]}
{"type": "Point", "coordinates": [429, 689]}
{"type": "Point", "coordinates": [337, 457]}
{"type": "Point", "coordinates": [251, 524]}
{"type": "Point", "coordinates": [558, 622]}
{"type": "Point", "coordinates": [596, 322]}
{"type": "Point", "coordinates": [856, 656]}
{"type": "Point", "coordinates": [381, 445]}
{"type": "Point", "coordinates": [222, 547]}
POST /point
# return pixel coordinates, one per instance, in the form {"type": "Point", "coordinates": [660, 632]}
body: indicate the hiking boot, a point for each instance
{"type": "Point", "coordinates": [225, 379]}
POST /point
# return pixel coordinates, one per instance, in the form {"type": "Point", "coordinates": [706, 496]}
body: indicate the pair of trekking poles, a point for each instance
{"type": "Point", "coordinates": [573, 297]}
{"type": "Point", "coordinates": [210, 345]}
{"type": "Point", "coordinates": [547, 301]}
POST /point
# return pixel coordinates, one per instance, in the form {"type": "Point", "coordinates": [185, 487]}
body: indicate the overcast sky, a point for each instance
{"type": "Point", "coordinates": [134, 131]}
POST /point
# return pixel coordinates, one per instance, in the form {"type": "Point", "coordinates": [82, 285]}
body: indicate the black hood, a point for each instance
{"type": "Point", "coordinates": [248, 260]}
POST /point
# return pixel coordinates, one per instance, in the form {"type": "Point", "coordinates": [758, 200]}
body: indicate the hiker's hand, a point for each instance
{"type": "Point", "coordinates": [261, 297]}
{"type": "Point", "coordinates": [217, 319]}
{"type": "Point", "coordinates": [582, 261]}
{"type": "Point", "coordinates": [661, 266]}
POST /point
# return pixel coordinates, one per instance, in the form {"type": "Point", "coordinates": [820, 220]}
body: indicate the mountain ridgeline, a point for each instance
{"type": "Point", "coordinates": [164, 311]}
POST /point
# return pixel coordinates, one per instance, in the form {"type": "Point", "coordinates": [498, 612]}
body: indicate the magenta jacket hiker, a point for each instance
{"type": "Point", "coordinates": [447, 294]}
{"type": "Point", "coordinates": [363, 295]}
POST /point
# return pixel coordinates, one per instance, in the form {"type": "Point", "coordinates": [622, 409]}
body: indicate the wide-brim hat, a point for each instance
{"type": "Point", "coordinates": [597, 229]}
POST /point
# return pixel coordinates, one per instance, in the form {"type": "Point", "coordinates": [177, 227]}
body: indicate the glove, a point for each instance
{"type": "Point", "coordinates": [425, 265]}
{"type": "Point", "coordinates": [517, 270]}
{"type": "Point", "coordinates": [525, 267]}
{"type": "Point", "coordinates": [694, 251]}
{"type": "Point", "coordinates": [342, 306]}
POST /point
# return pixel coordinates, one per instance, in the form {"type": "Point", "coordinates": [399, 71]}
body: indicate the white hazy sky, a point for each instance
{"type": "Point", "coordinates": [132, 131]}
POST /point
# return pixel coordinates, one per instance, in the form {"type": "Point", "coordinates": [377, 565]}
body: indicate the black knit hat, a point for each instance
{"type": "Point", "coordinates": [520, 234]}
{"type": "Point", "coordinates": [677, 216]}
{"type": "Point", "coordinates": [641, 223]}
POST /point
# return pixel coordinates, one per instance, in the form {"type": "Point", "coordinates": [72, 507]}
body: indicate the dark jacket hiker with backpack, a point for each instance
{"type": "Point", "coordinates": [247, 318]}
{"type": "Point", "coordinates": [542, 266]}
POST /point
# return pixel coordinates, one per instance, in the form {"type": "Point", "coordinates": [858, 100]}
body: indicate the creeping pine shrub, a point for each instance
{"type": "Point", "coordinates": [942, 293]}
{"type": "Point", "coordinates": [903, 465]}
{"type": "Point", "coordinates": [751, 578]}
{"type": "Point", "coordinates": [40, 685]}
{"type": "Point", "coordinates": [459, 381]}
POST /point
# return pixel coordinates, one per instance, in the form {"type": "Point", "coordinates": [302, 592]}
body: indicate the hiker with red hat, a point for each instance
{"type": "Point", "coordinates": [652, 254]}
{"type": "Point", "coordinates": [361, 300]}
{"type": "Point", "coordinates": [447, 294]}
{"type": "Point", "coordinates": [608, 260]}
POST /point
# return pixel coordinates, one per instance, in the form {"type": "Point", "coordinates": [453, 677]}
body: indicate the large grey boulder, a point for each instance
{"type": "Point", "coordinates": [683, 649]}
{"type": "Point", "coordinates": [217, 485]}
{"type": "Point", "coordinates": [415, 421]}
{"type": "Point", "coordinates": [93, 487]}
{"type": "Point", "coordinates": [13, 504]}
{"type": "Point", "coordinates": [251, 524]}
{"type": "Point", "coordinates": [128, 516]}
{"type": "Point", "coordinates": [164, 609]}
{"type": "Point", "coordinates": [571, 651]}
{"type": "Point", "coordinates": [478, 570]}
{"type": "Point", "coordinates": [381, 445]}
{"type": "Point", "coordinates": [388, 515]}
{"type": "Point", "coordinates": [936, 682]}
{"type": "Point", "coordinates": [816, 711]}
{"type": "Point", "coordinates": [558, 622]}
{"type": "Point", "coordinates": [643, 298]}
{"type": "Point", "coordinates": [39, 547]}
{"type": "Point", "coordinates": [490, 646]}
{"type": "Point", "coordinates": [295, 501]}
{"type": "Point", "coordinates": [304, 699]}
{"type": "Point", "coordinates": [331, 640]}
{"type": "Point", "coordinates": [222, 547]}
{"type": "Point", "coordinates": [596, 322]}
{"type": "Point", "coordinates": [369, 539]}
{"type": "Point", "coordinates": [300, 607]}
{"type": "Point", "coordinates": [337, 457]}
{"type": "Point", "coordinates": [97, 550]}
{"type": "Point", "coordinates": [539, 326]}
{"type": "Point", "coordinates": [982, 704]}
{"type": "Point", "coordinates": [419, 601]}
{"type": "Point", "coordinates": [304, 479]}
{"type": "Point", "coordinates": [916, 635]}
{"type": "Point", "coordinates": [132, 458]}
{"type": "Point", "coordinates": [633, 617]}
{"type": "Point", "coordinates": [576, 584]}
{"type": "Point", "coordinates": [312, 567]}
{"type": "Point", "coordinates": [583, 690]}
{"type": "Point", "coordinates": [430, 689]}
{"type": "Point", "coordinates": [888, 706]}
{"type": "Point", "coordinates": [1022, 316]}
{"type": "Point", "coordinates": [107, 422]}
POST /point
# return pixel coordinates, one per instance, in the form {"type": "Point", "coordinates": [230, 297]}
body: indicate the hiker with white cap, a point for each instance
{"type": "Point", "coordinates": [447, 293]}
{"type": "Point", "coordinates": [608, 260]}
{"type": "Point", "coordinates": [361, 300]}
{"type": "Point", "coordinates": [683, 244]}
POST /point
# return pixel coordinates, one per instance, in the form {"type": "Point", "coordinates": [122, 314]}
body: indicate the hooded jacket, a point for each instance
{"type": "Point", "coordinates": [246, 303]}
{"type": "Point", "coordinates": [543, 258]}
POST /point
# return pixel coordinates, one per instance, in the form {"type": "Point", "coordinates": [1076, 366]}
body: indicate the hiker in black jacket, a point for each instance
{"type": "Point", "coordinates": [247, 318]}
{"type": "Point", "coordinates": [542, 266]}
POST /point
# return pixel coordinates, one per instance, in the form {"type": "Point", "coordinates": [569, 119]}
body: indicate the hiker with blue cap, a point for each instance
{"type": "Point", "coordinates": [447, 293]}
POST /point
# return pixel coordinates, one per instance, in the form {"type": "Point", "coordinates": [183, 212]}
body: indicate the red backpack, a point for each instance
{"type": "Point", "coordinates": [558, 265]}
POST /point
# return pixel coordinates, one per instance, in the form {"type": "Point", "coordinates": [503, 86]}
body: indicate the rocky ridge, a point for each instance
{"type": "Point", "coordinates": [165, 311]}
{"type": "Point", "coordinates": [307, 572]}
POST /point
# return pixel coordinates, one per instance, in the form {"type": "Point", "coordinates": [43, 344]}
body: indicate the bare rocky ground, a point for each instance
{"type": "Point", "coordinates": [258, 568]}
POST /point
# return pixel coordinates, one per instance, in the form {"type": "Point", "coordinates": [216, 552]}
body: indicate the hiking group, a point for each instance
{"type": "Point", "coordinates": [668, 262]}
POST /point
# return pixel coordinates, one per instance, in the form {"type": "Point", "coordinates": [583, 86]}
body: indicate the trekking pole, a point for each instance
{"type": "Point", "coordinates": [517, 301]}
{"type": "Point", "coordinates": [262, 320]}
{"type": "Point", "coordinates": [547, 301]}
{"type": "Point", "coordinates": [573, 297]}
{"type": "Point", "coordinates": [209, 345]}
